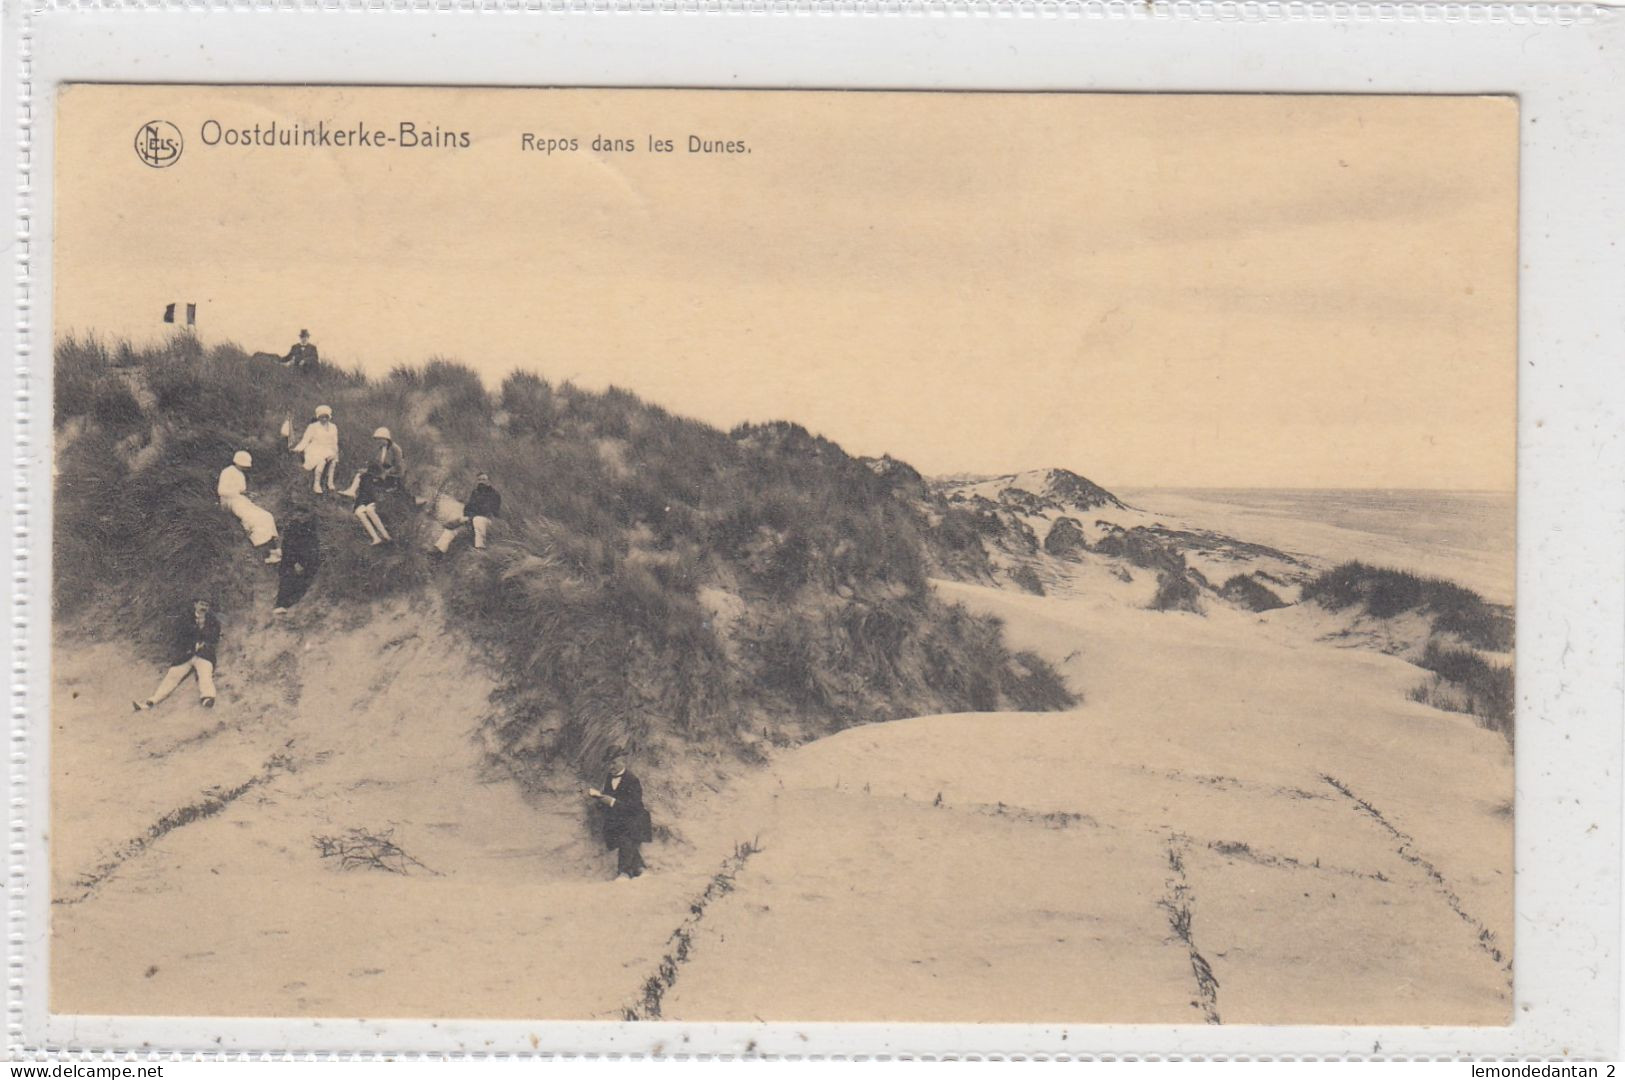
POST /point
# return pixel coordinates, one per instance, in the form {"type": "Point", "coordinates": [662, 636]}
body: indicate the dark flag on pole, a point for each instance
{"type": "Point", "coordinates": [169, 313]}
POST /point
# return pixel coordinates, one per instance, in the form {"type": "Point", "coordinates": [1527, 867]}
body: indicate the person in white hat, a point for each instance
{"type": "Point", "coordinates": [391, 465]}
{"type": "Point", "coordinates": [257, 522]}
{"type": "Point", "coordinates": [320, 445]}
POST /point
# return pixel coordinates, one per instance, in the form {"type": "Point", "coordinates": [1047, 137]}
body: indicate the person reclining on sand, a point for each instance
{"type": "Point", "coordinates": [320, 445]}
{"type": "Point", "coordinates": [482, 504]}
{"type": "Point", "coordinates": [196, 636]}
{"type": "Point", "coordinates": [626, 822]}
{"type": "Point", "coordinates": [301, 558]}
{"type": "Point", "coordinates": [232, 488]}
{"type": "Point", "coordinates": [368, 490]}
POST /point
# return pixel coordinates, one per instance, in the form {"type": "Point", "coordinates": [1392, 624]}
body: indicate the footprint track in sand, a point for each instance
{"type": "Point", "coordinates": [1485, 937]}
{"type": "Point", "coordinates": [212, 802]}
{"type": "Point", "coordinates": [1177, 902]}
{"type": "Point", "coordinates": [646, 1006]}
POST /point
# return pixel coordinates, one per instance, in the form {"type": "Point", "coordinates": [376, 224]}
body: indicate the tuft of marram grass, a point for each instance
{"type": "Point", "coordinates": [1384, 593]}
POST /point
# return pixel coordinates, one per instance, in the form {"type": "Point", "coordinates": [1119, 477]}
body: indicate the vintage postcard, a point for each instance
{"type": "Point", "coordinates": [783, 556]}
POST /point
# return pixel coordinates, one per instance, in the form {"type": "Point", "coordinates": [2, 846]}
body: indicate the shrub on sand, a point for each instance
{"type": "Point", "coordinates": [1383, 593]}
{"type": "Point", "coordinates": [1028, 579]}
{"type": "Point", "coordinates": [1479, 687]}
{"type": "Point", "coordinates": [1250, 593]}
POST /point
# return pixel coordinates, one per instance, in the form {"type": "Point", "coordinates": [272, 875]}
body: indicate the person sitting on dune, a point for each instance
{"type": "Point", "coordinates": [257, 522]}
{"type": "Point", "coordinates": [320, 445]}
{"type": "Point", "coordinates": [391, 464]}
{"type": "Point", "coordinates": [197, 634]}
{"type": "Point", "coordinates": [301, 558]}
{"type": "Point", "coordinates": [626, 822]}
{"type": "Point", "coordinates": [303, 354]}
{"type": "Point", "coordinates": [368, 491]}
{"type": "Point", "coordinates": [482, 504]}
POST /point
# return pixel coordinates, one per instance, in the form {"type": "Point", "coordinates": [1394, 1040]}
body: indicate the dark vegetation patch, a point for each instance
{"type": "Point", "coordinates": [1179, 588]}
{"type": "Point", "coordinates": [1216, 544]}
{"type": "Point", "coordinates": [1028, 579]}
{"type": "Point", "coordinates": [1065, 539]}
{"type": "Point", "coordinates": [1176, 592]}
{"type": "Point", "coordinates": [1383, 594]}
{"type": "Point", "coordinates": [1077, 492]}
{"type": "Point", "coordinates": [1250, 593]}
{"type": "Point", "coordinates": [616, 514]}
{"type": "Point", "coordinates": [1464, 681]}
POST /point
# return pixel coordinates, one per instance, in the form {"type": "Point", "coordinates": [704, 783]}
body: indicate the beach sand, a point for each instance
{"type": "Point", "coordinates": [1239, 824]}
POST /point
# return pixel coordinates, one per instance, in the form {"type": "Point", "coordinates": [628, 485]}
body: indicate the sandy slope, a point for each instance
{"type": "Point", "coordinates": [237, 913]}
{"type": "Point", "coordinates": [1204, 743]}
{"type": "Point", "coordinates": [973, 867]}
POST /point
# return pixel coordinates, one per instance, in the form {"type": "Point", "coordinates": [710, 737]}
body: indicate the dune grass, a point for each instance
{"type": "Point", "coordinates": [1028, 579]}
{"type": "Point", "coordinates": [1176, 589]}
{"type": "Point", "coordinates": [1383, 593]}
{"type": "Point", "coordinates": [1461, 623]}
{"type": "Point", "coordinates": [1250, 593]}
{"type": "Point", "coordinates": [1466, 682]}
{"type": "Point", "coordinates": [616, 516]}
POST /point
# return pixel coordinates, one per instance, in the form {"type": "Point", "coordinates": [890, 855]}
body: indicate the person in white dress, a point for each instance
{"type": "Point", "coordinates": [257, 522]}
{"type": "Point", "coordinates": [320, 445]}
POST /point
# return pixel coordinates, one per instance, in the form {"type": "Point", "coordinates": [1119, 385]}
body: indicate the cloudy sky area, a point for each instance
{"type": "Point", "coordinates": [1150, 290]}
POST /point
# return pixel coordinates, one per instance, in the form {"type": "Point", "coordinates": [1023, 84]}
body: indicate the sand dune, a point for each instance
{"type": "Point", "coordinates": [1240, 825]}
{"type": "Point", "coordinates": [1031, 866]}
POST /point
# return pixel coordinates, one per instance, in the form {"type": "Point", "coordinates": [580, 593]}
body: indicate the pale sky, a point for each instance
{"type": "Point", "coordinates": [1151, 290]}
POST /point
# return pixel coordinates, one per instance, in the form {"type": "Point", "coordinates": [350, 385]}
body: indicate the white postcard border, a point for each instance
{"type": "Point", "coordinates": [1563, 61]}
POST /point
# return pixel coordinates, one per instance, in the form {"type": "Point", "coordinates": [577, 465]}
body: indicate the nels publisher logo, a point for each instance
{"type": "Point", "coordinates": [158, 144]}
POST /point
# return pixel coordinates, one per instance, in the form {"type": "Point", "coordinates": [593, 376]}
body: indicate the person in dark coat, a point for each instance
{"type": "Point", "coordinates": [301, 558]}
{"type": "Point", "coordinates": [626, 822]}
{"type": "Point", "coordinates": [303, 354]}
{"type": "Point", "coordinates": [390, 462]}
{"type": "Point", "coordinates": [368, 490]}
{"type": "Point", "coordinates": [482, 504]}
{"type": "Point", "coordinates": [196, 637]}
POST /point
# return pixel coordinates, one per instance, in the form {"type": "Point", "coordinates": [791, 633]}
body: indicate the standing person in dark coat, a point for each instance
{"type": "Point", "coordinates": [301, 558]}
{"type": "Point", "coordinates": [197, 634]}
{"type": "Point", "coordinates": [626, 822]}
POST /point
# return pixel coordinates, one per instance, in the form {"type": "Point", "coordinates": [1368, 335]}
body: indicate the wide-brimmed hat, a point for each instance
{"type": "Point", "coordinates": [383, 433]}
{"type": "Point", "coordinates": [242, 460]}
{"type": "Point", "coordinates": [323, 410]}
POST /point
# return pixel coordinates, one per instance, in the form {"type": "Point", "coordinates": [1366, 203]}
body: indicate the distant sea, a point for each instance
{"type": "Point", "coordinates": [1476, 529]}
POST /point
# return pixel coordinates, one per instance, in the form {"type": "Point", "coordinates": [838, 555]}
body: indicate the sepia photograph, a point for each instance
{"type": "Point", "coordinates": [782, 555]}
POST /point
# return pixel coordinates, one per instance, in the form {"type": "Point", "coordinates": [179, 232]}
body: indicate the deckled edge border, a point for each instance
{"type": "Point", "coordinates": [18, 805]}
{"type": "Point", "coordinates": [1513, 12]}
{"type": "Point", "coordinates": [1517, 12]}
